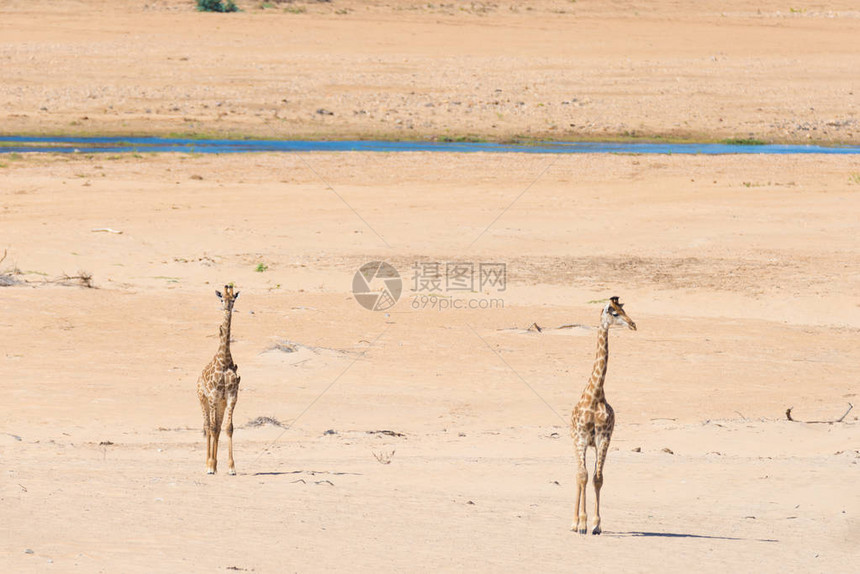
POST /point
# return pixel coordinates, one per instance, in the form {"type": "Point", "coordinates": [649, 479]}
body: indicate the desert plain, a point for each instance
{"type": "Point", "coordinates": [421, 438]}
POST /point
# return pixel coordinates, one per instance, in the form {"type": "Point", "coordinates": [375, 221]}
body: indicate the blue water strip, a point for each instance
{"type": "Point", "coordinates": [47, 144]}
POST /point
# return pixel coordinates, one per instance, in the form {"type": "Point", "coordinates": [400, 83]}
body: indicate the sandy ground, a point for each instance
{"type": "Point", "coordinates": [422, 439]}
{"type": "Point", "coordinates": [408, 69]}
{"type": "Point", "coordinates": [740, 271]}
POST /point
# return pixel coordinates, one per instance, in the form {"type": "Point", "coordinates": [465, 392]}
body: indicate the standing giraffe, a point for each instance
{"type": "Point", "coordinates": [218, 388]}
{"type": "Point", "coordinates": [593, 419]}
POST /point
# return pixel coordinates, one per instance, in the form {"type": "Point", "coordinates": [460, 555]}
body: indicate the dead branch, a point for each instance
{"type": "Point", "coordinates": [82, 278]}
{"type": "Point", "coordinates": [383, 457]}
{"type": "Point", "coordinates": [6, 279]}
{"type": "Point", "coordinates": [263, 421]}
{"type": "Point", "coordinates": [386, 433]}
{"type": "Point", "coordinates": [839, 420]}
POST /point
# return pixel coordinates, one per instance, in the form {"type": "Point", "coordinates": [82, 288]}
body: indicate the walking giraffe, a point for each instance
{"type": "Point", "coordinates": [593, 419]}
{"type": "Point", "coordinates": [218, 389]}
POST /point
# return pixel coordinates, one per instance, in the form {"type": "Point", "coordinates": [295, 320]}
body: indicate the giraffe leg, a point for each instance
{"type": "Point", "coordinates": [216, 434]}
{"type": "Point", "coordinates": [204, 405]}
{"type": "Point", "coordinates": [580, 519]}
{"type": "Point", "coordinates": [209, 452]}
{"type": "Point", "coordinates": [601, 446]}
{"type": "Point", "coordinates": [228, 427]}
{"type": "Point", "coordinates": [212, 439]}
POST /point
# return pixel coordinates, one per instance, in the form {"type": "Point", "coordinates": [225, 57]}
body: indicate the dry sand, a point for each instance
{"type": "Point", "coordinates": [741, 272]}
{"type": "Point", "coordinates": [408, 69]}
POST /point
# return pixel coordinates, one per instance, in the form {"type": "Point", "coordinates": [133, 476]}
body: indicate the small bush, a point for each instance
{"type": "Point", "coordinates": [216, 6]}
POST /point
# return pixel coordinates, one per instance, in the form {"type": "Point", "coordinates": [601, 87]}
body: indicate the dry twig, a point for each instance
{"type": "Point", "coordinates": [383, 457]}
{"type": "Point", "coordinates": [263, 421]}
{"type": "Point", "coordinates": [6, 280]}
{"type": "Point", "coordinates": [839, 420]}
{"type": "Point", "coordinates": [82, 278]}
{"type": "Point", "coordinates": [386, 433]}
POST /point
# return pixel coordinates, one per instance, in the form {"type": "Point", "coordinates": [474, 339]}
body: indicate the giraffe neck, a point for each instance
{"type": "Point", "coordinates": [601, 360]}
{"type": "Point", "coordinates": [224, 343]}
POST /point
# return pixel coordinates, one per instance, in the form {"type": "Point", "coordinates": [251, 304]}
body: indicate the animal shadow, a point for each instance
{"type": "Point", "coordinates": [636, 533]}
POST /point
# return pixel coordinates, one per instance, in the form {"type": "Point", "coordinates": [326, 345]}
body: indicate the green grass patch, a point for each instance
{"type": "Point", "coordinates": [743, 141]}
{"type": "Point", "coordinates": [460, 139]}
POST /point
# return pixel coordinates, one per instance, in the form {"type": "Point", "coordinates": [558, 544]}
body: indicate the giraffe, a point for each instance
{"type": "Point", "coordinates": [593, 419]}
{"type": "Point", "coordinates": [218, 388]}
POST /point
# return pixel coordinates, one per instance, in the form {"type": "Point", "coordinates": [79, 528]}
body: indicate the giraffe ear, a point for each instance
{"type": "Point", "coordinates": [218, 294]}
{"type": "Point", "coordinates": [235, 295]}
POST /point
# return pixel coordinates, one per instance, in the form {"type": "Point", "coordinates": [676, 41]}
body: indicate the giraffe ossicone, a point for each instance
{"type": "Point", "coordinates": [593, 419]}
{"type": "Point", "coordinates": [218, 388]}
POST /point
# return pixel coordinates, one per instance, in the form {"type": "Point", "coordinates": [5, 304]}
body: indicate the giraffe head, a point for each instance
{"type": "Point", "coordinates": [613, 314]}
{"type": "Point", "coordinates": [228, 298]}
